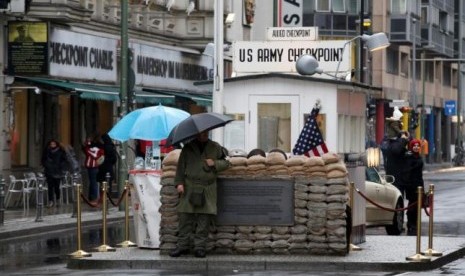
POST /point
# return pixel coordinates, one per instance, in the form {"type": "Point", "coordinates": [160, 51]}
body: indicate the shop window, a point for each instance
{"type": "Point", "coordinates": [454, 78]}
{"type": "Point", "coordinates": [446, 77]}
{"type": "Point", "coordinates": [339, 6]}
{"type": "Point", "coordinates": [323, 21]}
{"type": "Point", "coordinates": [429, 71]}
{"type": "Point", "coordinates": [234, 132]}
{"type": "Point", "coordinates": [351, 133]}
{"type": "Point", "coordinates": [443, 25]}
{"type": "Point", "coordinates": [404, 64]}
{"type": "Point", "coordinates": [322, 5]}
{"type": "Point", "coordinates": [392, 61]}
{"type": "Point", "coordinates": [438, 70]}
{"type": "Point", "coordinates": [352, 6]}
{"type": "Point", "coordinates": [398, 6]}
{"type": "Point", "coordinates": [274, 126]}
{"type": "Point", "coordinates": [424, 15]}
{"type": "Point", "coordinates": [339, 22]}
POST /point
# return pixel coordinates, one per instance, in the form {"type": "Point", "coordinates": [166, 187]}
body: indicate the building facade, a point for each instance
{"type": "Point", "coordinates": [61, 62]}
{"type": "Point", "coordinates": [419, 71]}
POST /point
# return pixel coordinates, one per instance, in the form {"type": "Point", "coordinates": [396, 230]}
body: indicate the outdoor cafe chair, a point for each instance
{"type": "Point", "coordinates": [65, 185]}
{"type": "Point", "coordinates": [33, 184]}
{"type": "Point", "coordinates": [18, 187]}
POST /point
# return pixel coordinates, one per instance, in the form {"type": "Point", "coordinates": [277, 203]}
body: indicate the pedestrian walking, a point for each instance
{"type": "Point", "coordinates": [94, 157]}
{"type": "Point", "coordinates": [54, 162]}
{"type": "Point", "coordinates": [199, 163]}
{"type": "Point", "coordinates": [107, 167]}
{"type": "Point", "coordinates": [413, 179]}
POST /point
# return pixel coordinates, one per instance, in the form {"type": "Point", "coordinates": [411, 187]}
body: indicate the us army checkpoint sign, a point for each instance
{"type": "Point", "coordinates": [281, 56]}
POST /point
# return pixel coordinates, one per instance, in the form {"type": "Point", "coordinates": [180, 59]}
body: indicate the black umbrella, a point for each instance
{"type": "Point", "coordinates": [195, 124]}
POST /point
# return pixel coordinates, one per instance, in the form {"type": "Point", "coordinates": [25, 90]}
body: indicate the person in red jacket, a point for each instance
{"type": "Point", "coordinates": [93, 154]}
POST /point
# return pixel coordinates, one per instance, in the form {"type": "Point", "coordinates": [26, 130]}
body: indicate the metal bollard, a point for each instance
{"type": "Point", "coordinates": [2, 201]}
{"type": "Point", "coordinates": [79, 253]}
{"type": "Point", "coordinates": [430, 251]}
{"type": "Point", "coordinates": [40, 203]}
{"type": "Point", "coordinates": [126, 242]}
{"type": "Point", "coordinates": [352, 247]}
{"type": "Point", "coordinates": [74, 197]}
{"type": "Point", "coordinates": [107, 178]}
{"type": "Point", "coordinates": [104, 247]}
{"type": "Point", "coordinates": [418, 257]}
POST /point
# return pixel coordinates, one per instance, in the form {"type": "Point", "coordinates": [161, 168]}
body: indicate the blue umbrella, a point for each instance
{"type": "Point", "coordinates": [152, 123]}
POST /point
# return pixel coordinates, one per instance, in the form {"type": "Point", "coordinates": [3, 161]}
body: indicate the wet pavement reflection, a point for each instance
{"type": "Point", "coordinates": [53, 248]}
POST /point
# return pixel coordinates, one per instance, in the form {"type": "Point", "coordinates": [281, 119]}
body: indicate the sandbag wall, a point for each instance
{"type": "Point", "coordinates": [320, 200]}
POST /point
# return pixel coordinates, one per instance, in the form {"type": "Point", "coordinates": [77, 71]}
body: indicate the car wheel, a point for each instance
{"type": "Point", "coordinates": [397, 222]}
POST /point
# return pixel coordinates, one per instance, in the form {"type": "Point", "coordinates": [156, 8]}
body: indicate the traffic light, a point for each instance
{"type": "Point", "coordinates": [413, 119]}
{"type": "Point", "coordinates": [371, 110]}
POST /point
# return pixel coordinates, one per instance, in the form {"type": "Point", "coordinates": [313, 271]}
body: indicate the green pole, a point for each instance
{"type": "Point", "coordinates": [122, 164]}
{"type": "Point", "coordinates": [423, 110]}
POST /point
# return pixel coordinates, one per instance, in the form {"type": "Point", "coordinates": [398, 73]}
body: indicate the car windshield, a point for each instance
{"type": "Point", "coordinates": [372, 175]}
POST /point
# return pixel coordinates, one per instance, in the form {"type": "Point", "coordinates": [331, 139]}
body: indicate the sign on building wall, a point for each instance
{"type": "Point", "coordinates": [289, 13]}
{"type": "Point", "coordinates": [27, 48]}
{"type": "Point", "coordinates": [450, 108]}
{"type": "Point", "coordinates": [77, 55]}
{"type": "Point", "coordinates": [156, 66]}
{"type": "Point", "coordinates": [281, 56]}
{"type": "Point", "coordinates": [295, 33]}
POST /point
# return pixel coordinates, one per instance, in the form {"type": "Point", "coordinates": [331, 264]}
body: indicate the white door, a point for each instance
{"type": "Point", "coordinates": [273, 122]}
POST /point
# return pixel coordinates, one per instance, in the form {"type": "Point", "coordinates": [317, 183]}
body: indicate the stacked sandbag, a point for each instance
{"type": "Point", "coordinates": [315, 167]}
{"type": "Point", "coordinates": [317, 208]}
{"type": "Point", "coordinates": [169, 200]}
{"type": "Point", "coordinates": [256, 165]}
{"type": "Point", "coordinates": [238, 166]}
{"type": "Point", "coordinates": [295, 165]}
{"type": "Point", "coordinates": [320, 199]}
{"type": "Point", "coordinates": [276, 164]}
{"type": "Point", "coordinates": [337, 198]}
{"type": "Point", "coordinates": [170, 163]}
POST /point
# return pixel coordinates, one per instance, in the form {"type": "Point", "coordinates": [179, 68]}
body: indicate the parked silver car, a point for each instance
{"type": "Point", "coordinates": [380, 190]}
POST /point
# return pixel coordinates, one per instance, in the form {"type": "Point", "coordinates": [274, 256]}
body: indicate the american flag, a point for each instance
{"type": "Point", "coordinates": [310, 141]}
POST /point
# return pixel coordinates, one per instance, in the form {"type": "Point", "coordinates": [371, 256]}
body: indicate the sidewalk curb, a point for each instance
{"type": "Point", "coordinates": [252, 263]}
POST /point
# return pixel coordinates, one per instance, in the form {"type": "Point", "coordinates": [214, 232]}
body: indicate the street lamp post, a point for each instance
{"type": "Point", "coordinates": [218, 74]}
{"type": "Point", "coordinates": [308, 65]}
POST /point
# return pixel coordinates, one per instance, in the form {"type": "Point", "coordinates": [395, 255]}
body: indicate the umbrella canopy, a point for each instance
{"type": "Point", "coordinates": [152, 123]}
{"type": "Point", "coordinates": [196, 124]}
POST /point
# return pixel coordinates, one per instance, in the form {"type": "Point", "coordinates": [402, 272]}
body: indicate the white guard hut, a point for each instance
{"type": "Point", "coordinates": [270, 111]}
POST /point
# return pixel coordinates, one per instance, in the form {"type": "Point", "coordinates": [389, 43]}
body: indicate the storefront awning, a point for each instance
{"type": "Point", "coordinates": [200, 99]}
{"type": "Point", "coordinates": [84, 90]}
{"type": "Point", "coordinates": [101, 92]}
{"type": "Point", "coordinates": [153, 98]}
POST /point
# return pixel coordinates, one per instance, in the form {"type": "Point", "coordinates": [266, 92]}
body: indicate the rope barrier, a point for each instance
{"type": "Point", "coordinates": [93, 205]}
{"type": "Point", "coordinates": [428, 206]}
{"type": "Point", "coordinates": [385, 208]}
{"type": "Point", "coordinates": [120, 199]}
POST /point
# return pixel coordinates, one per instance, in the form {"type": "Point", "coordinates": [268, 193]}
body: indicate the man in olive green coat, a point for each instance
{"type": "Point", "coordinates": [196, 174]}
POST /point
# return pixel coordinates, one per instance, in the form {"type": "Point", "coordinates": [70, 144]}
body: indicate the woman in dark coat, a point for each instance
{"type": "Point", "coordinates": [413, 179]}
{"type": "Point", "coordinates": [54, 161]}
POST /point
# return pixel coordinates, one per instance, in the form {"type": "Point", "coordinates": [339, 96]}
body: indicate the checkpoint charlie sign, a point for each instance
{"type": "Point", "coordinates": [281, 56]}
